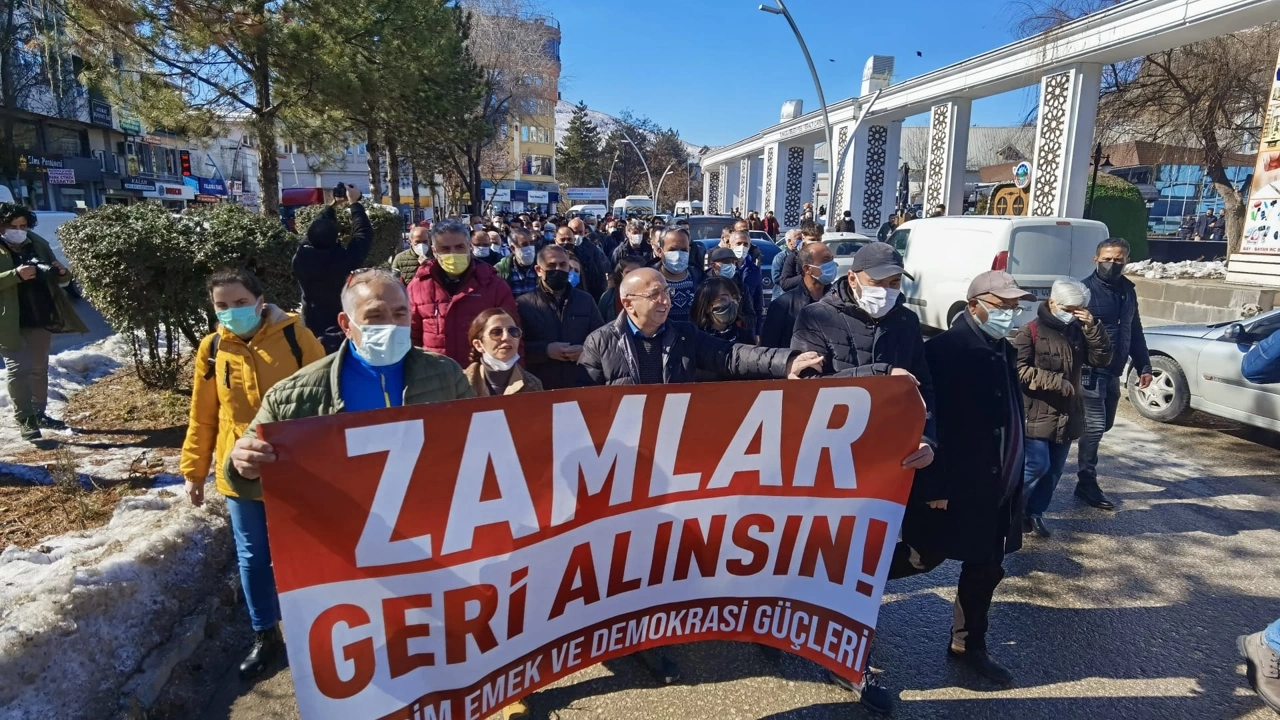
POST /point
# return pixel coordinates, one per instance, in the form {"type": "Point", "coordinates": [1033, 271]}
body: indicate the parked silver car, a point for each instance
{"type": "Point", "coordinates": [1198, 366]}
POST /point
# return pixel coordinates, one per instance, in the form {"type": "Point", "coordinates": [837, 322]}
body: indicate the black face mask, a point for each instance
{"type": "Point", "coordinates": [725, 313]}
{"type": "Point", "coordinates": [556, 280]}
{"type": "Point", "coordinates": [1109, 272]}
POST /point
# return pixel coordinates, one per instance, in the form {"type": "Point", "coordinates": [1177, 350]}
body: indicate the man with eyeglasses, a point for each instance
{"type": "Point", "coordinates": [644, 346]}
{"type": "Point", "coordinates": [376, 366]}
{"type": "Point", "coordinates": [450, 291]}
{"type": "Point", "coordinates": [967, 506]}
{"type": "Point", "coordinates": [557, 319]}
{"type": "Point", "coordinates": [520, 268]}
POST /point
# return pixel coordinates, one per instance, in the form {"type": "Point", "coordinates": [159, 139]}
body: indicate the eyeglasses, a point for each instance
{"type": "Point", "coordinates": [512, 332]}
{"type": "Point", "coordinates": [653, 296]}
{"type": "Point", "coordinates": [1018, 310]}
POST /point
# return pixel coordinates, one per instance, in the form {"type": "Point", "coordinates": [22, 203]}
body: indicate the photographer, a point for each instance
{"type": "Point", "coordinates": [322, 265]}
{"type": "Point", "coordinates": [33, 306]}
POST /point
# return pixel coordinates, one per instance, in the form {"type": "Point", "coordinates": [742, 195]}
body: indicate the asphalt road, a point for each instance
{"type": "Point", "coordinates": [1131, 614]}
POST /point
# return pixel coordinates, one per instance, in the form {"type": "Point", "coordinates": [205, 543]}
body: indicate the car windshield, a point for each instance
{"type": "Point", "coordinates": [844, 248]}
{"type": "Point", "coordinates": [704, 228]}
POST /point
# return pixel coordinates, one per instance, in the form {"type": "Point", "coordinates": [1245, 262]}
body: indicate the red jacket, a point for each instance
{"type": "Point", "coordinates": [441, 320]}
{"type": "Point", "coordinates": [770, 225]}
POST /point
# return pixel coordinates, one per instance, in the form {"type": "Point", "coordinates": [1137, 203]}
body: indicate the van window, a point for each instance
{"type": "Point", "coordinates": [899, 240]}
{"type": "Point", "coordinates": [1040, 250]}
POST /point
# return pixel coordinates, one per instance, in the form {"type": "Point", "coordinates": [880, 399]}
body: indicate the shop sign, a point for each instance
{"type": "Point", "coordinates": [537, 197]}
{"type": "Point", "coordinates": [131, 125]}
{"type": "Point", "coordinates": [208, 198]}
{"type": "Point", "coordinates": [212, 186]}
{"type": "Point", "coordinates": [100, 113]}
{"type": "Point", "coordinates": [1022, 175]}
{"type": "Point", "coordinates": [137, 183]}
{"type": "Point", "coordinates": [37, 163]}
{"type": "Point", "coordinates": [62, 177]}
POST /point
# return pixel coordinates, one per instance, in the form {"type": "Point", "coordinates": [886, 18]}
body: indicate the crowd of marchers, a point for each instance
{"type": "Point", "coordinates": [524, 302]}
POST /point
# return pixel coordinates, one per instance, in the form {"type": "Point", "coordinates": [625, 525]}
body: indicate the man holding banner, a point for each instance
{"type": "Point", "coordinates": [376, 367]}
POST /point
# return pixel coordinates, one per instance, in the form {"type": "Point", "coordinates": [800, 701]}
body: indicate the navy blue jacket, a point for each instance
{"type": "Point", "coordinates": [1116, 307]}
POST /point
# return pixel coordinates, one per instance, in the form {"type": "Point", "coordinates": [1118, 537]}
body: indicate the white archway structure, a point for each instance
{"type": "Point", "coordinates": [773, 169]}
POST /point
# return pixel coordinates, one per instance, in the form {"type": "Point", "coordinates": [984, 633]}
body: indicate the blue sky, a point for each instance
{"type": "Point", "coordinates": [719, 70]}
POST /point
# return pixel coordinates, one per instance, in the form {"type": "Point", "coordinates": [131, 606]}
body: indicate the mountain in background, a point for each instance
{"type": "Point", "coordinates": [605, 122]}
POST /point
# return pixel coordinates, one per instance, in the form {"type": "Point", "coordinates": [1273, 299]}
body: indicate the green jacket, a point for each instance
{"type": "Point", "coordinates": [10, 334]}
{"type": "Point", "coordinates": [406, 264]}
{"type": "Point", "coordinates": [313, 391]}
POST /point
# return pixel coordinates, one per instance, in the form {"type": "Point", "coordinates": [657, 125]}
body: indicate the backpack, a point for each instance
{"type": "Point", "coordinates": [290, 336]}
{"type": "Point", "coordinates": [1033, 327]}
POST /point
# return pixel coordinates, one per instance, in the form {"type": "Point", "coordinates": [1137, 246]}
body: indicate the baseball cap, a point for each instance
{"type": "Point", "coordinates": [998, 283]}
{"type": "Point", "coordinates": [721, 254]}
{"type": "Point", "coordinates": [879, 260]}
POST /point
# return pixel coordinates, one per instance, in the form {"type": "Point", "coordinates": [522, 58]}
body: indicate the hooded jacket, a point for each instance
{"type": "Point", "coordinates": [37, 248]}
{"type": "Point", "coordinates": [442, 318]}
{"type": "Point", "coordinates": [224, 402]}
{"type": "Point", "coordinates": [321, 266]}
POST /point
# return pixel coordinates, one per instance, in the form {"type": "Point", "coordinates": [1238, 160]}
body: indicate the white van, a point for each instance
{"type": "Point", "coordinates": [641, 205]}
{"type": "Point", "coordinates": [597, 210]}
{"type": "Point", "coordinates": [687, 207]}
{"type": "Point", "coordinates": [944, 254]}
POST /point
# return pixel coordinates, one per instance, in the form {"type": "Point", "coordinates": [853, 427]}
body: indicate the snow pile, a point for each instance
{"type": "Point", "coordinates": [71, 371]}
{"type": "Point", "coordinates": [1186, 269]}
{"type": "Point", "coordinates": [79, 612]}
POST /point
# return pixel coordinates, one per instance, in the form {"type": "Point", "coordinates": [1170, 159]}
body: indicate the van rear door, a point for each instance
{"type": "Point", "coordinates": [1085, 238]}
{"type": "Point", "coordinates": [1040, 254]}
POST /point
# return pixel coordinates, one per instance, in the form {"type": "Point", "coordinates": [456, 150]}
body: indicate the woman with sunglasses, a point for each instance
{"type": "Point", "coordinates": [495, 349]}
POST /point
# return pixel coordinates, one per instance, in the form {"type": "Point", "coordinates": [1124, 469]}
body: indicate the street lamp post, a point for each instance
{"type": "Point", "coordinates": [665, 173]}
{"type": "Point", "coordinates": [609, 182]}
{"type": "Point", "coordinates": [826, 119]}
{"type": "Point", "coordinates": [1098, 162]}
{"type": "Point", "coordinates": [642, 162]}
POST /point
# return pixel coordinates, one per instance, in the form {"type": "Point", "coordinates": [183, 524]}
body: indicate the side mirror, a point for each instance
{"type": "Point", "coordinates": [1236, 333]}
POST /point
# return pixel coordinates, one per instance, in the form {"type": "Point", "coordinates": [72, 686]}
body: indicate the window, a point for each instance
{"type": "Point", "coordinates": [533, 133]}
{"type": "Point", "coordinates": [1002, 205]}
{"type": "Point", "coordinates": [899, 240]}
{"type": "Point", "coordinates": [1019, 205]}
{"type": "Point", "coordinates": [535, 165]}
{"type": "Point", "coordinates": [62, 141]}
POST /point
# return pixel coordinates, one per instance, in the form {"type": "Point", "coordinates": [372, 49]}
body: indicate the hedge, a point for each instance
{"type": "Point", "coordinates": [388, 230]}
{"type": "Point", "coordinates": [144, 269]}
{"type": "Point", "coordinates": [1119, 204]}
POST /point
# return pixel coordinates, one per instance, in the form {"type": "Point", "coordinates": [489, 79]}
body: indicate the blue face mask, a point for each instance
{"type": "Point", "coordinates": [240, 320]}
{"type": "Point", "coordinates": [728, 271]}
{"type": "Point", "coordinates": [829, 270]}
{"type": "Point", "coordinates": [574, 278]}
{"type": "Point", "coordinates": [999, 321]}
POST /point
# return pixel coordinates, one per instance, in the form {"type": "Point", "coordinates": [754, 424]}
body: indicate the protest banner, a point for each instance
{"type": "Point", "coordinates": [442, 561]}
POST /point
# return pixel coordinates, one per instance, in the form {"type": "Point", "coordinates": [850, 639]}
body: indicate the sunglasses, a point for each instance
{"type": "Point", "coordinates": [512, 332]}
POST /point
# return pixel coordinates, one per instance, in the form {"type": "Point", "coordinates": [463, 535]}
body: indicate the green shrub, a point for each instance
{"type": "Point", "coordinates": [231, 236]}
{"type": "Point", "coordinates": [144, 269]}
{"type": "Point", "coordinates": [137, 269]}
{"type": "Point", "coordinates": [1119, 204]}
{"type": "Point", "coordinates": [388, 229]}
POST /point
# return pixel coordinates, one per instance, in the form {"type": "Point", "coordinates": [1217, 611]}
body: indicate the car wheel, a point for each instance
{"type": "Point", "coordinates": [1167, 397]}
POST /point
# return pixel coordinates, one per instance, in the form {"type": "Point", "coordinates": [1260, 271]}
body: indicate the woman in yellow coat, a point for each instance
{"type": "Point", "coordinates": [255, 346]}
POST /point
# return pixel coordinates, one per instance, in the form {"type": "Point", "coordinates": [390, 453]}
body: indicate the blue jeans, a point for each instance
{"type": "Point", "coordinates": [1101, 392]}
{"type": "Point", "coordinates": [1272, 635]}
{"type": "Point", "coordinates": [249, 525]}
{"type": "Point", "coordinates": [1043, 470]}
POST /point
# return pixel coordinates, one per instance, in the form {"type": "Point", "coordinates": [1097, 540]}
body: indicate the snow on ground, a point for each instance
{"type": "Point", "coordinates": [69, 372]}
{"type": "Point", "coordinates": [80, 612]}
{"type": "Point", "coordinates": [1185, 269]}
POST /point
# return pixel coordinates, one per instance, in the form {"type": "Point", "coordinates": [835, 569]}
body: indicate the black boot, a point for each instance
{"type": "Point", "coordinates": [265, 650]}
{"type": "Point", "coordinates": [980, 662]}
{"type": "Point", "coordinates": [870, 694]}
{"type": "Point", "coordinates": [29, 428]}
{"type": "Point", "coordinates": [1092, 494]}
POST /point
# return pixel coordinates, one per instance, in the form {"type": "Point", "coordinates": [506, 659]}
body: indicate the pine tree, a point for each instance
{"type": "Point", "coordinates": [579, 161]}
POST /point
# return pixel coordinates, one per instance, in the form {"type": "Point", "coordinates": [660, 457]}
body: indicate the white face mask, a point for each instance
{"type": "Point", "coordinates": [1063, 316]}
{"type": "Point", "coordinates": [481, 251]}
{"type": "Point", "coordinates": [14, 236]}
{"type": "Point", "coordinates": [877, 301]}
{"type": "Point", "coordinates": [497, 365]}
{"type": "Point", "coordinates": [635, 240]}
{"type": "Point", "coordinates": [740, 251]}
{"type": "Point", "coordinates": [526, 255]}
{"type": "Point", "coordinates": [383, 345]}
{"type": "Point", "coordinates": [420, 249]}
{"type": "Point", "coordinates": [675, 261]}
